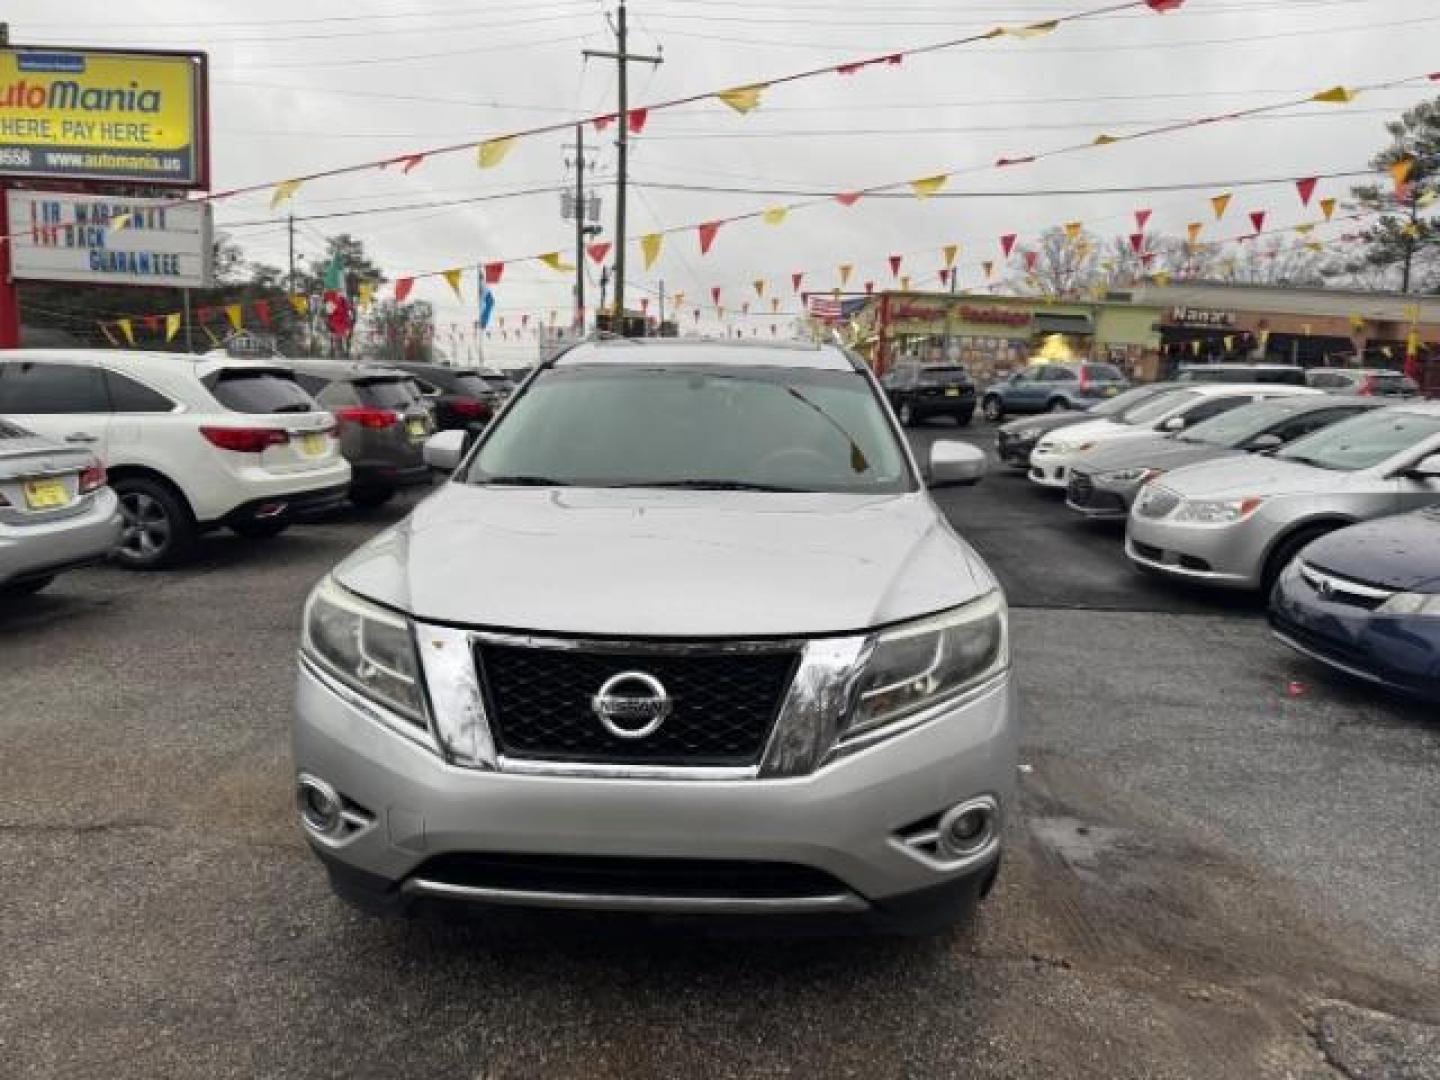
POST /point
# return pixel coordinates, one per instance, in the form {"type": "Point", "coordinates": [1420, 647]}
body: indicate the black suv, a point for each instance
{"type": "Point", "coordinates": [920, 391]}
{"type": "Point", "coordinates": [462, 398]}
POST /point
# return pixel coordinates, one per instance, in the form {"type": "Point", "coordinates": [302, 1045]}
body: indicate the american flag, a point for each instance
{"type": "Point", "coordinates": [828, 308]}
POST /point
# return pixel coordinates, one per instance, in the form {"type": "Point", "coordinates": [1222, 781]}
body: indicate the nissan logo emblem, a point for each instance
{"type": "Point", "coordinates": [631, 705]}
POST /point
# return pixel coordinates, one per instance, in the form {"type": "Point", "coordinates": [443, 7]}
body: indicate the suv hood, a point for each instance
{"type": "Point", "coordinates": [1153, 452]}
{"type": "Point", "coordinates": [1254, 474]}
{"type": "Point", "coordinates": [649, 563]}
{"type": "Point", "coordinates": [1401, 552]}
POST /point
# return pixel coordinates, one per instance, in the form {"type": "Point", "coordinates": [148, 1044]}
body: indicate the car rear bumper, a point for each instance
{"type": "Point", "coordinates": [293, 506]}
{"type": "Point", "coordinates": [40, 549]}
{"type": "Point", "coordinates": [1399, 652]}
{"type": "Point", "coordinates": [373, 475]}
{"type": "Point", "coordinates": [433, 831]}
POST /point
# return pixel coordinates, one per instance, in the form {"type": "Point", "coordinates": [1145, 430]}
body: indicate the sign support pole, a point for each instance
{"type": "Point", "coordinates": [9, 294]}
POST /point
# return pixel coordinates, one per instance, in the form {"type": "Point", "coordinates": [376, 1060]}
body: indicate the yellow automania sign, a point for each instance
{"type": "Point", "coordinates": [101, 115]}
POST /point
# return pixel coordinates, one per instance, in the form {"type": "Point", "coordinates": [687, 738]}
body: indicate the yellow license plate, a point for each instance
{"type": "Point", "coordinates": [416, 429]}
{"type": "Point", "coordinates": [45, 494]}
{"type": "Point", "coordinates": [952, 391]}
{"type": "Point", "coordinates": [1111, 391]}
{"type": "Point", "coordinates": [314, 445]}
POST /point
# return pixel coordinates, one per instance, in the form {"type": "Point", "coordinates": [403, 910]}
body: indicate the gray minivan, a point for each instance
{"type": "Point", "coordinates": [383, 424]}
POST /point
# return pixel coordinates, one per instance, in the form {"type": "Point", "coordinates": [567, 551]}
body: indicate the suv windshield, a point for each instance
{"type": "Point", "coordinates": [1364, 441]}
{"type": "Point", "coordinates": [1163, 405]}
{"type": "Point", "coordinates": [397, 393]}
{"type": "Point", "coordinates": [468, 382]}
{"type": "Point", "coordinates": [259, 391]}
{"type": "Point", "coordinates": [1240, 425]}
{"type": "Point", "coordinates": [762, 429]}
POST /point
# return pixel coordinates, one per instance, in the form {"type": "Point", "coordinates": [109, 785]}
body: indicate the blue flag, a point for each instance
{"type": "Point", "coordinates": [487, 300]}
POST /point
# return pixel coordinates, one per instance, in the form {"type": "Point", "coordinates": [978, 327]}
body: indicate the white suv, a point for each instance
{"type": "Point", "coordinates": [191, 443]}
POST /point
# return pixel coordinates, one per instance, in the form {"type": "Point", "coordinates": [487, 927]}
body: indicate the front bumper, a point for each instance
{"type": "Point", "coordinates": [1049, 469]}
{"type": "Point", "coordinates": [1014, 450]}
{"type": "Point", "coordinates": [1400, 652]}
{"type": "Point", "coordinates": [38, 549]}
{"type": "Point", "coordinates": [1225, 556]}
{"type": "Point", "coordinates": [1098, 499]}
{"type": "Point", "coordinates": [854, 821]}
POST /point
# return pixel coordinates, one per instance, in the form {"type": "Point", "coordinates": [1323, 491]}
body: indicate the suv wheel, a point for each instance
{"type": "Point", "coordinates": [907, 414]}
{"type": "Point", "coordinates": [993, 408]}
{"type": "Point", "coordinates": [158, 529]}
{"type": "Point", "coordinates": [1058, 404]}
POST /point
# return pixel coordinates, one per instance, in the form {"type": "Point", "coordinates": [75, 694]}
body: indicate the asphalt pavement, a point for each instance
{"type": "Point", "coordinates": [1223, 866]}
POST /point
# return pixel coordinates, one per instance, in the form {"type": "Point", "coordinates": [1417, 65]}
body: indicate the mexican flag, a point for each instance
{"type": "Point", "coordinates": [339, 311]}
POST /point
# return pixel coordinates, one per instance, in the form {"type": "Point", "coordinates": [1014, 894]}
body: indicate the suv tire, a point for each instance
{"type": "Point", "coordinates": [993, 409]}
{"type": "Point", "coordinates": [1057, 405]}
{"type": "Point", "coordinates": [159, 529]}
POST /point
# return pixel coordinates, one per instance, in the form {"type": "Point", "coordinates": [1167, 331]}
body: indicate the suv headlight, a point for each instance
{"type": "Point", "coordinates": [1411, 603]}
{"type": "Point", "coordinates": [1217, 511]}
{"type": "Point", "coordinates": [368, 648]}
{"type": "Point", "coordinates": [1130, 476]}
{"type": "Point", "coordinates": [922, 663]}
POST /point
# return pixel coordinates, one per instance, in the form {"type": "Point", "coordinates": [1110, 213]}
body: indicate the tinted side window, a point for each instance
{"type": "Point", "coordinates": [259, 392]}
{"type": "Point", "coordinates": [1060, 374]}
{"type": "Point", "coordinates": [52, 388]}
{"type": "Point", "coordinates": [1105, 372]}
{"type": "Point", "coordinates": [128, 396]}
{"type": "Point", "coordinates": [1214, 407]}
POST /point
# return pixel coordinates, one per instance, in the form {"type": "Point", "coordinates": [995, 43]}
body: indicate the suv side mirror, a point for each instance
{"type": "Point", "coordinates": [443, 450]}
{"type": "Point", "coordinates": [1427, 468]}
{"type": "Point", "coordinates": [1175, 423]}
{"type": "Point", "coordinates": [1261, 443]}
{"type": "Point", "coordinates": [955, 464]}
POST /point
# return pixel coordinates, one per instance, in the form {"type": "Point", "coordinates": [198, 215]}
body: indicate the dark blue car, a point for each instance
{"type": "Point", "coordinates": [1366, 600]}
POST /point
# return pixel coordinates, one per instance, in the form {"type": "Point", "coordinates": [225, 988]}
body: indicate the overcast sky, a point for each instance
{"type": "Point", "coordinates": [302, 87]}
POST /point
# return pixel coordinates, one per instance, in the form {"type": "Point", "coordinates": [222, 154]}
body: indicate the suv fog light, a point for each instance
{"type": "Point", "coordinates": [321, 808]}
{"type": "Point", "coordinates": [967, 828]}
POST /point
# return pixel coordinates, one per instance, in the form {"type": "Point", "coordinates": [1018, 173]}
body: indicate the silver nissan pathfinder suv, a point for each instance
{"type": "Point", "coordinates": [684, 634]}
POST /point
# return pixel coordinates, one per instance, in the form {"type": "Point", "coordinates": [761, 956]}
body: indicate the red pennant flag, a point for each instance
{"type": "Point", "coordinates": [402, 288]}
{"type": "Point", "coordinates": [406, 162]}
{"type": "Point", "coordinates": [1147, 258]}
{"type": "Point", "coordinates": [644, 305]}
{"type": "Point", "coordinates": [1163, 6]}
{"type": "Point", "coordinates": [795, 280]}
{"type": "Point", "coordinates": [603, 122]}
{"type": "Point", "coordinates": [203, 314]}
{"type": "Point", "coordinates": [715, 295]}
{"type": "Point", "coordinates": [1257, 219]}
{"type": "Point", "coordinates": [494, 272]}
{"type": "Point", "coordinates": [895, 265]}
{"type": "Point", "coordinates": [1007, 244]}
{"type": "Point", "coordinates": [1306, 188]}
{"type": "Point", "coordinates": [1030, 259]}
{"type": "Point", "coordinates": [152, 323]}
{"type": "Point", "coordinates": [597, 252]}
{"type": "Point", "coordinates": [851, 69]}
{"type": "Point", "coordinates": [707, 235]}
{"type": "Point", "coordinates": [636, 120]}
{"type": "Point", "coordinates": [1137, 241]}
{"type": "Point", "coordinates": [945, 276]}
{"type": "Point", "coordinates": [1142, 218]}
{"type": "Point", "coordinates": [869, 288]}
{"type": "Point", "coordinates": [262, 312]}
{"type": "Point", "coordinates": [848, 198]}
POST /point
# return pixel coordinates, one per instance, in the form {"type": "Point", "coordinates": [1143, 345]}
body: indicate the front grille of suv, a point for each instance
{"type": "Point", "coordinates": [724, 703]}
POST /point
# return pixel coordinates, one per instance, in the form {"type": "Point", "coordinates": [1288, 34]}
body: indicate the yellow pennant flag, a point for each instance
{"type": "Point", "coordinates": [1073, 230]}
{"type": "Point", "coordinates": [1400, 172]}
{"type": "Point", "coordinates": [1033, 30]}
{"type": "Point", "coordinates": [1105, 140]}
{"type": "Point", "coordinates": [904, 282]}
{"type": "Point", "coordinates": [774, 304]}
{"type": "Point", "coordinates": [1162, 278]}
{"type": "Point", "coordinates": [284, 190]}
{"type": "Point", "coordinates": [1229, 343]}
{"type": "Point", "coordinates": [951, 250]}
{"type": "Point", "coordinates": [1357, 322]}
{"type": "Point", "coordinates": [232, 313]}
{"type": "Point", "coordinates": [1192, 231]}
{"type": "Point", "coordinates": [555, 262]}
{"type": "Point", "coordinates": [127, 330]}
{"type": "Point", "coordinates": [742, 98]}
{"type": "Point", "coordinates": [1195, 347]}
{"type": "Point", "coordinates": [366, 294]}
{"type": "Point", "coordinates": [1412, 230]}
{"type": "Point", "coordinates": [774, 216]}
{"type": "Point", "coordinates": [452, 277]}
{"type": "Point", "coordinates": [493, 151]}
{"type": "Point", "coordinates": [1428, 199]}
{"type": "Point", "coordinates": [759, 284]}
{"type": "Point", "coordinates": [1327, 207]}
{"type": "Point", "coordinates": [1220, 203]}
{"type": "Point", "coordinates": [1336, 95]}
{"type": "Point", "coordinates": [172, 326]}
{"type": "Point", "coordinates": [928, 185]}
{"type": "Point", "coordinates": [845, 271]}
{"type": "Point", "coordinates": [650, 248]}
{"type": "Point", "coordinates": [1305, 229]}
{"type": "Point", "coordinates": [119, 221]}
{"type": "Point", "coordinates": [300, 304]}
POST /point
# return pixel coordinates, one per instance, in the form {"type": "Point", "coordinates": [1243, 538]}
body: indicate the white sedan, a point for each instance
{"type": "Point", "coordinates": [1173, 411]}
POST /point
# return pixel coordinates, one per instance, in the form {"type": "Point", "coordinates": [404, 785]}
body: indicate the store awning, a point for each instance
{"type": "Point", "coordinates": [1051, 323]}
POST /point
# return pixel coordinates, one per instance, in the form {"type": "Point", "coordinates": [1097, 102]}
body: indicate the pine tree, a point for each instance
{"type": "Point", "coordinates": [1403, 237]}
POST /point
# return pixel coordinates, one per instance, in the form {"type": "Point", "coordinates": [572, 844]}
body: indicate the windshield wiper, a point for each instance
{"type": "Point", "coordinates": [858, 463]}
{"type": "Point", "coordinates": [708, 485]}
{"type": "Point", "coordinates": [523, 481]}
{"type": "Point", "coordinates": [1302, 460]}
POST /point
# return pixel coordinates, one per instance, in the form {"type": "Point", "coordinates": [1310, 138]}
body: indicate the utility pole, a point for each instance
{"type": "Point", "coordinates": [662, 302]}
{"type": "Point", "coordinates": [622, 145]}
{"type": "Point", "coordinates": [580, 228]}
{"type": "Point", "coordinates": [290, 282]}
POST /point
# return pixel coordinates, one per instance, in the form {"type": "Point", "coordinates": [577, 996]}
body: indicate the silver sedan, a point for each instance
{"type": "Point", "coordinates": [56, 511]}
{"type": "Point", "coordinates": [1237, 523]}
